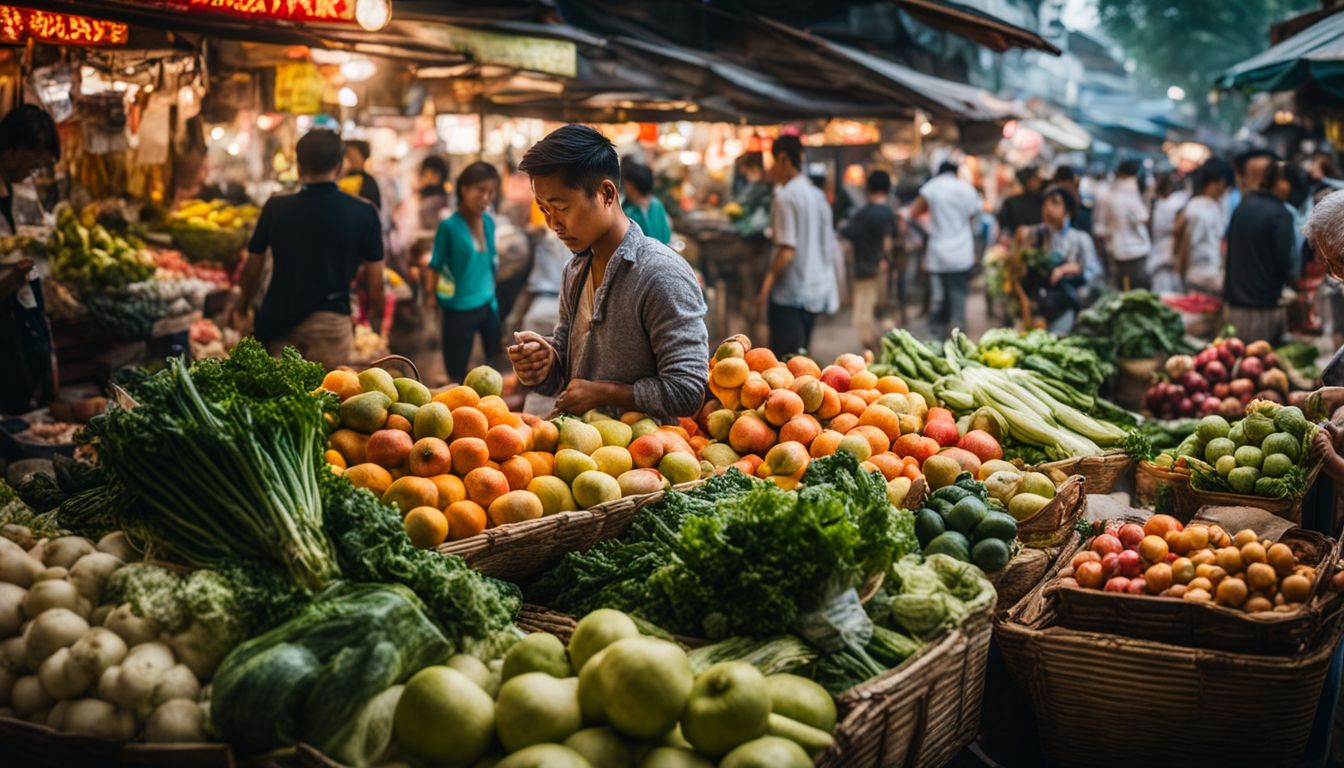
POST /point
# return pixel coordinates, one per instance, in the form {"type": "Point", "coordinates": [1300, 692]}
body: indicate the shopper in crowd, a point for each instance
{"type": "Point", "coordinates": [1248, 168]}
{"type": "Point", "coordinates": [641, 205]}
{"type": "Point", "coordinates": [1024, 208]}
{"type": "Point", "coordinates": [318, 238]}
{"type": "Point", "coordinates": [632, 331]}
{"type": "Point", "coordinates": [872, 231]}
{"type": "Point", "coordinates": [358, 181]}
{"type": "Point", "coordinates": [461, 274]}
{"type": "Point", "coordinates": [1198, 240]}
{"type": "Point", "coordinates": [1170, 196]}
{"type": "Point", "coordinates": [801, 281]}
{"type": "Point", "coordinates": [949, 255]}
{"type": "Point", "coordinates": [1071, 270]}
{"type": "Point", "coordinates": [1122, 222]}
{"type": "Point", "coordinates": [1066, 178]}
{"type": "Point", "coordinates": [1260, 256]}
{"type": "Point", "coordinates": [28, 141]}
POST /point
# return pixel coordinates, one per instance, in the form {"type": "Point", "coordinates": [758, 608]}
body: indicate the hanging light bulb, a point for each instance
{"type": "Point", "coordinates": [373, 15]}
{"type": "Point", "coordinates": [347, 97]}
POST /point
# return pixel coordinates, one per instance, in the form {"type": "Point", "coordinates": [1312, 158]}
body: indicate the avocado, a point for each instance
{"type": "Point", "coordinates": [950, 543]}
{"type": "Point", "coordinates": [928, 524]}
{"type": "Point", "coordinates": [966, 515]}
{"type": "Point", "coordinates": [991, 554]}
{"type": "Point", "coordinates": [996, 525]}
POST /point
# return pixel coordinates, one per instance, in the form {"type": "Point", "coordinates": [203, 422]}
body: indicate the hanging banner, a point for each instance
{"type": "Point", "coordinates": [534, 54]}
{"type": "Point", "coordinates": [19, 25]}
{"type": "Point", "coordinates": [326, 11]}
{"type": "Point", "coordinates": [298, 88]}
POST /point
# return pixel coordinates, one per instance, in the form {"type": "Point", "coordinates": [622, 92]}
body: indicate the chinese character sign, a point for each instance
{"type": "Point", "coordinates": [293, 10]}
{"type": "Point", "coordinates": [18, 25]}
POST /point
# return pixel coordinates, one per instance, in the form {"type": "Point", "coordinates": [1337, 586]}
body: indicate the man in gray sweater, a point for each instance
{"type": "Point", "coordinates": [632, 331]}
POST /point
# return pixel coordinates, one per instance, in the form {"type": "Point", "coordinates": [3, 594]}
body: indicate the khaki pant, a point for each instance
{"type": "Point", "coordinates": [1257, 323]}
{"type": "Point", "coordinates": [864, 311]}
{"type": "Point", "coordinates": [325, 337]}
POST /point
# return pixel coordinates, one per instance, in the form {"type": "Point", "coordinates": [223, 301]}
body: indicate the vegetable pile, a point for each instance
{"type": "Point", "coordinates": [1221, 379]}
{"type": "Point", "coordinates": [1265, 454]}
{"type": "Point", "coordinates": [1063, 359]}
{"type": "Point", "coordinates": [1132, 325]}
{"type": "Point", "coordinates": [964, 522]}
{"type": "Point", "coordinates": [1199, 562]}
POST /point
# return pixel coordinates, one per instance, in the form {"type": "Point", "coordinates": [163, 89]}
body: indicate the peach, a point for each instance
{"type": "Point", "coordinates": [484, 485]}
{"type": "Point", "coordinates": [835, 376]}
{"type": "Point", "coordinates": [469, 422]}
{"type": "Point", "coordinates": [802, 428]}
{"type": "Point", "coordinates": [782, 405]}
{"type": "Point", "coordinates": [647, 450]}
{"type": "Point", "coordinates": [518, 471]}
{"type": "Point", "coordinates": [389, 447]}
{"type": "Point", "coordinates": [778, 377]}
{"type": "Point", "coordinates": [730, 372]}
{"type": "Point", "coordinates": [429, 457]}
{"type": "Point", "coordinates": [751, 434]}
{"type": "Point", "coordinates": [760, 359]}
{"type": "Point", "coordinates": [468, 454]}
{"type": "Point", "coordinates": [916, 446]}
{"type": "Point", "coordinates": [825, 443]}
{"type": "Point", "coordinates": [883, 418]}
{"type": "Point", "coordinates": [830, 403]}
{"type": "Point", "coordinates": [504, 442]}
{"type": "Point", "coordinates": [754, 393]}
{"type": "Point", "coordinates": [451, 489]}
{"type": "Point", "coordinates": [801, 365]}
{"type": "Point", "coordinates": [851, 362]}
{"type": "Point", "coordinates": [968, 461]}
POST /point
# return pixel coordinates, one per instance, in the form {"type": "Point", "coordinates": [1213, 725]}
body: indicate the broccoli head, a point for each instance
{"type": "Point", "coordinates": [152, 592]}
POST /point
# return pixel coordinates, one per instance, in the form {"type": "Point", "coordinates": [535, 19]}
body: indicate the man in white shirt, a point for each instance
{"type": "Point", "coordinates": [1123, 223]}
{"type": "Point", "coordinates": [950, 251]}
{"type": "Point", "coordinates": [801, 283]}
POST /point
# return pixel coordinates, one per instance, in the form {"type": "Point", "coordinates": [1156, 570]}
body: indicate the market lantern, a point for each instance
{"type": "Point", "coordinates": [373, 15]}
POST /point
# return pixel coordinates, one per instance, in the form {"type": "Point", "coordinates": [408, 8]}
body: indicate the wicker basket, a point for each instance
{"type": "Point", "coordinates": [1101, 472]}
{"type": "Point", "coordinates": [921, 713]}
{"type": "Point", "coordinates": [1240, 709]}
{"type": "Point", "coordinates": [1200, 625]}
{"type": "Point", "coordinates": [1189, 500]}
{"type": "Point", "coordinates": [1150, 479]}
{"type": "Point", "coordinates": [1050, 526]}
{"type": "Point", "coordinates": [38, 746]}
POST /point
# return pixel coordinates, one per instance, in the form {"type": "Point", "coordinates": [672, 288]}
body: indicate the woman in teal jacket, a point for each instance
{"type": "Point", "coordinates": [461, 275]}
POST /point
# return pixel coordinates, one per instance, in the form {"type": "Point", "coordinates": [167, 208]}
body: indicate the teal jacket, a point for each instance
{"type": "Point", "coordinates": [654, 223]}
{"type": "Point", "coordinates": [466, 274]}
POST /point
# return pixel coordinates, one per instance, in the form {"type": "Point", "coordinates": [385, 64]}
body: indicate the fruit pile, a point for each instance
{"type": "Point", "coordinates": [211, 231]}
{"type": "Point", "coordinates": [770, 418]}
{"type": "Point", "coordinates": [1263, 454]}
{"type": "Point", "coordinates": [1200, 562]}
{"type": "Point", "coordinates": [963, 521]}
{"type": "Point", "coordinates": [1221, 379]}
{"type": "Point", "coordinates": [608, 698]}
{"type": "Point", "coordinates": [459, 461]}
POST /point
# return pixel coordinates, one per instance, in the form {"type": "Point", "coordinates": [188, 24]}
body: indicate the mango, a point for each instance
{"type": "Point", "coordinates": [433, 420]}
{"type": "Point", "coordinates": [411, 391]}
{"type": "Point", "coordinates": [378, 380]}
{"type": "Point", "coordinates": [367, 411]}
{"type": "Point", "coordinates": [592, 488]}
{"type": "Point", "coordinates": [569, 464]}
{"type": "Point", "coordinates": [578, 436]}
{"type": "Point", "coordinates": [614, 433]}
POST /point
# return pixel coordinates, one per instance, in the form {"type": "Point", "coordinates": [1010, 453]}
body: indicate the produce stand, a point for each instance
{"type": "Point", "coordinates": [1042, 537]}
{"type": "Point", "coordinates": [1189, 500]}
{"type": "Point", "coordinates": [1100, 473]}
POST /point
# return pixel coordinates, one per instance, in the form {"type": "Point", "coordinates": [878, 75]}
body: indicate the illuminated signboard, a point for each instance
{"type": "Point", "coordinates": [18, 25]}
{"type": "Point", "coordinates": [333, 11]}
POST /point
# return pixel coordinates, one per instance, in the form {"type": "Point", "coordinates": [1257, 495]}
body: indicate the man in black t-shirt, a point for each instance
{"type": "Point", "coordinates": [318, 239]}
{"type": "Point", "coordinates": [1024, 208]}
{"type": "Point", "coordinates": [871, 231]}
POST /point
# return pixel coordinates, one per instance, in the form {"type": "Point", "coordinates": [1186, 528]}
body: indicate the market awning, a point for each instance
{"type": "Point", "coordinates": [1060, 131]}
{"type": "Point", "coordinates": [1316, 54]}
{"type": "Point", "coordinates": [974, 24]}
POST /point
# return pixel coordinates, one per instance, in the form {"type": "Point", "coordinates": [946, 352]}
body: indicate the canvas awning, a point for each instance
{"type": "Point", "coordinates": [974, 24]}
{"type": "Point", "coordinates": [1316, 54]}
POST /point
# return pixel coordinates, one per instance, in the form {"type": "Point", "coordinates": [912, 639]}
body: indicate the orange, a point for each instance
{"type": "Point", "coordinates": [803, 428]}
{"type": "Point", "coordinates": [469, 422]}
{"type": "Point", "coordinates": [344, 384]}
{"type": "Point", "coordinates": [544, 436]}
{"type": "Point", "coordinates": [334, 458]}
{"type": "Point", "coordinates": [730, 372]}
{"type": "Point", "coordinates": [883, 418]}
{"type": "Point", "coordinates": [451, 489]}
{"type": "Point", "coordinates": [370, 476]}
{"type": "Point", "coordinates": [458, 397]}
{"type": "Point", "coordinates": [892, 384]}
{"type": "Point", "coordinates": [517, 470]}
{"type": "Point", "coordinates": [543, 462]}
{"type": "Point", "coordinates": [888, 463]}
{"type": "Point", "coordinates": [468, 454]}
{"type": "Point", "coordinates": [484, 485]}
{"type": "Point", "coordinates": [497, 411]}
{"type": "Point", "coordinates": [465, 519]}
{"type": "Point", "coordinates": [843, 423]}
{"type": "Point", "coordinates": [825, 443]}
{"type": "Point", "coordinates": [754, 393]}
{"type": "Point", "coordinates": [760, 359]}
{"type": "Point", "coordinates": [863, 379]}
{"type": "Point", "coordinates": [852, 403]}
{"type": "Point", "coordinates": [426, 527]}
{"type": "Point", "coordinates": [504, 442]}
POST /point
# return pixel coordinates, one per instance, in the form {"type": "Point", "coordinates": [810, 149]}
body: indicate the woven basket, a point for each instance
{"type": "Point", "coordinates": [921, 713]}
{"type": "Point", "coordinates": [1050, 526]}
{"type": "Point", "coordinates": [38, 746]}
{"type": "Point", "coordinates": [1149, 479]}
{"type": "Point", "coordinates": [1239, 709]}
{"type": "Point", "coordinates": [1101, 472]}
{"type": "Point", "coordinates": [1200, 625]}
{"type": "Point", "coordinates": [1189, 500]}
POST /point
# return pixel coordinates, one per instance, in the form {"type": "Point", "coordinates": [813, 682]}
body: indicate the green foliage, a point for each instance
{"type": "Point", "coordinates": [1133, 324]}
{"type": "Point", "coordinates": [152, 592]}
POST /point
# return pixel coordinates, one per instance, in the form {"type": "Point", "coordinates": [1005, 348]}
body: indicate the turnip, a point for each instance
{"type": "Point", "coordinates": [90, 574]}
{"type": "Point", "coordinates": [14, 653]}
{"type": "Point", "coordinates": [117, 545]}
{"type": "Point", "coordinates": [46, 595]}
{"type": "Point", "coordinates": [11, 609]}
{"type": "Point", "coordinates": [19, 534]}
{"type": "Point", "coordinates": [64, 551]}
{"type": "Point", "coordinates": [178, 720]}
{"type": "Point", "coordinates": [51, 631]}
{"type": "Point", "coordinates": [97, 650]}
{"type": "Point", "coordinates": [62, 679]}
{"type": "Point", "coordinates": [177, 683]}
{"type": "Point", "coordinates": [28, 697]}
{"type": "Point", "coordinates": [16, 566]}
{"type": "Point", "coordinates": [133, 629]}
{"type": "Point", "coordinates": [7, 678]}
{"type": "Point", "coordinates": [91, 717]}
{"type": "Point", "coordinates": [131, 685]}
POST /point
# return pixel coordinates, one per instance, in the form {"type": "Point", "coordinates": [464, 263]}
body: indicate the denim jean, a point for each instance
{"type": "Point", "coordinates": [950, 310]}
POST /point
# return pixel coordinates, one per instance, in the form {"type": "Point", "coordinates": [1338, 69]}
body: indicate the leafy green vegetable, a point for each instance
{"type": "Point", "coordinates": [152, 591]}
{"type": "Point", "coordinates": [1062, 359]}
{"type": "Point", "coordinates": [305, 679]}
{"type": "Point", "coordinates": [1134, 324]}
{"type": "Point", "coordinates": [14, 511]}
{"type": "Point", "coordinates": [771, 655]}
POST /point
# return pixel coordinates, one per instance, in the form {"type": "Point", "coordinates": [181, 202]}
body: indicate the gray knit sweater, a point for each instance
{"type": "Point", "coordinates": [648, 327]}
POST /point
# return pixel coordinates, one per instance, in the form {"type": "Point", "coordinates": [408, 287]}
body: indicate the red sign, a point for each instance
{"type": "Point", "coordinates": [18, 25]}
{"type": "Point", "coordinates": [331, 11]}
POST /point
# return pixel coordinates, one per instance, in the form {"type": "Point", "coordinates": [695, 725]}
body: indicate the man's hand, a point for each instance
{"type": "Point", "coordinates": [758, 303]}
{"type": "Point", "coordinates": [581, 396]}
{"type": "Point", "coordinates": [532, 357]}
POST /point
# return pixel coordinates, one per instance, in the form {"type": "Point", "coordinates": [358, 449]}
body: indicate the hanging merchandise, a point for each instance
{"type": "Point", "coordinates": [104, 122]}
{"type": "Point", "coordinates": [155, 129]}
{"type": "Point", "coordinates": [298, 88]}
{"type": "Point", "coordinates": [54, 85]}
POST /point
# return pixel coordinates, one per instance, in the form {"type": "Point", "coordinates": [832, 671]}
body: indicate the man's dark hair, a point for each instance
{"type": "Point", "coordinates": [1065, 196]}
{"type": "Point", "coordinates": [319, 151]}
{"type": "Point", "coordinates": [580, 152]}
{"type": "Point", "coordinates": [1128, 168]}
{"type": "Point", "coordinates": [475, 174]}
{"type": "Point", "coordinates": [1213, 169]}
{"type": "Point", "coordinates": [361, 146]}
{"type": "Point", "coordinates": [28, 126]}
{"type": "Point", "coordinates": [878, 182]}
{"type": "Point", "coordinates": [639, 175]}
{"type": "Point", "coordinates": [751, 160]}
{"type": "Point", "coordinates": [1064, 174]}
{"type": "Point", "coordinates": [789, 146]}
{"type": "Point", "coordinates": [435, 164]}
{"type": "Point", "coordinates": [1026, 175]}
{"type": "Point", "coordinates": [1240, 160]}
{"type": "Point", "coordinates": [947, 167]}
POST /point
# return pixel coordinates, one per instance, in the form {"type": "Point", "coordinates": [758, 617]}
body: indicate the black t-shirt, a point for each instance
{"type": "Point", "coordinates": [866, 230]}
{"type": "Point", "coordinates": [1261, 250]}
{"type": "Point", "coordinates": [318, 238]}
{"type": "Point", "coordinates": [1021, 210]}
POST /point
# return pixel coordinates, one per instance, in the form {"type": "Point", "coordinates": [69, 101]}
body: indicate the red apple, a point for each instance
{"type": "Point", "coordinates": [836, 377]}
{"type": "Point", "coordinates": [1128, 563]}
{"type": "Point", "coordinates": [388, 448]}
{"type": "Point", "coordinates": [1117, 584]}
{"type": "Point", "coordinates": [1108, 543]}
{"type": "Point", "coordinates": [1130, 535]}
